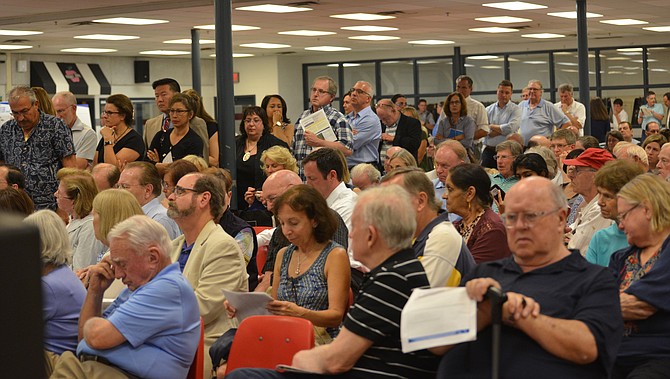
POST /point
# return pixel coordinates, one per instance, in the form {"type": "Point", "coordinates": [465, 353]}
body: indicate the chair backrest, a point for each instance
{"type": "Point", "coordinates": [262, 253]}
{"type": "Point", "coordinates": [266, 341]}
{"type": "Point", "coordinates": [197, 370]}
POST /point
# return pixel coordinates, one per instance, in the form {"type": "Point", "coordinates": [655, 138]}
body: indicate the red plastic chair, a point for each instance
{"type": "Point", "coordinates": [262, 253]}
{"type": "Point", "coordinates": [266, 341]}
{"type": "Point", "coordinates": [197, 370]}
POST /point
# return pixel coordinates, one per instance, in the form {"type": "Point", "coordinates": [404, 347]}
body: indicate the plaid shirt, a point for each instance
{"type": "Point", "coordinates": [340, 127]}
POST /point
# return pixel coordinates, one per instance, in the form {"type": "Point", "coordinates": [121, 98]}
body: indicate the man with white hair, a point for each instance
{"type": "Point", "coordinates": [631, 152]}
{"type": "Point", "coordinates": [364, 176]}
{"type": "Point", "coordinates": [368, 345]}
{"type": "Point", "coordinates": [539, 117]}
{"type": "Point", "coordinates": [571, 108]}
{"type": "Point", "coordinates": [152, 328]}
{"type": "Point", "coordinates": [664, 162]}
{"type": "Point", "coordinates": [448, 154]}
{"type": "Point", "coordinates": [84, 138]}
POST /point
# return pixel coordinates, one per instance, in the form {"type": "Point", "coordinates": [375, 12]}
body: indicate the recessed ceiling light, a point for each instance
{"type": "Point", "coordinates": [432, 62]}
{"type": "Point", "coordinates": [515, 5]}
{"type": "Point", "coordinates": [631, 53]}
{"type": "Point", "coordinates": [107, 37]}
{"type": "Point", "coordinates": [362, 16]}
{"type": "Point", "coordinates": [483, 57]}
{"type": "Point", "coordinates": [327, 48]}
{"type": "Point", "coordinates": [344, 65]}
{"type": "Point", "coordinates": [640, 60]}
{"type": "Point", "coordinates": [272, 8]}
{"type": "Point", "coordinates": [306, 33]}
{"type": "Point", "coordinates": [493, 29]}
{"type": "Point", "coordinates": [534, 62]}
{"type": "Point", "coordinates": [573, 14]}
{"type": "Point", "coordinates": [567, 63]}
{"type": "Point", "coordinates": [469, 65]}
{"type": "Point", "coordinates": [631, 68]}
{"type": "Point", "coordinates": [236, 55]}
{"type": "Point", "coordinates": [569, 70]}
{"type": "Point", "coordinates": [629, 49]}
{"type": "Point", "coordinates": [235, 28]}
{"type": "Point", "coordinates": [491, 67]}
{"type": "Point", "coordinates": [164, 52]}
{"type": "Point", "coordinates": [374, 38]}
{"type": "Point", "coordinates": [88, 50]}
{"type": "Point", "coordinates": [650, 28]}
{"type": "Point", "coordinates": [543, 35]}
{"type": "Point", "coordinates": [264, 45]}
{"type": "Point", "coordinates": [624, 22]}
{"type": "Point", "coordinates": [503, 19]}
{"type": "Point", "coordinates": [369, 28]}
{"type": "Point", "coordinates": [130, 21]}
{"type": "Point", "coordinates": [431, 42]}
{"type": "Point", "coordinates": [659, 70]}
{"type": "Point", "coordinates": [18, 32]}
{"type": "Point", "coordinates": [188, 41]}
{"type": "Point", "coordinates": [629, 73]}
{"type": "Point", "coordinates": [15, 47]}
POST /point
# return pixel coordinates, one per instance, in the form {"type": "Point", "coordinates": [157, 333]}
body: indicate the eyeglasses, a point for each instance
{"type": "Point", "coordinates": [109, 113]}
{"type": "Point", "coordinates": [359, 91]}
{"type": "Point", "coordinates": [530, 89]}
{"type": "Point", "coordinates": [528, 219]}
{"type": "Point", "coordinates": [496, 157]}
{"type": "Point", "coordinates": [384, 105]}
{"type": "Point", "coordinates": [270, 199]}
{"type": "Point", "coordinates": [577, 171]}
{"type": "Point", "coordinates": [622, 216]}
{"type": "Point", "coordinates": [401, 103]}
{"type": "Point", "coordinates": [126, 186]}
{"type": "Point", "coordinates": [178, 111]}
{"type": "Point", "coordinates": [61, 111]}
{"type": "Point", "coordinates": [319, 91]}
{"type": "Point", "coordinates": [558, 145]}
{"type": "Point", "coordinates": [253, 121]}
{"type": "Point", "coordinates": [23, 112]}
{"type": "Point", "coordinates": [165, 185]}
{"type": "Point", "coordinates": [181, 191]}
{"type": "Point", "coordinates": [454, 103]}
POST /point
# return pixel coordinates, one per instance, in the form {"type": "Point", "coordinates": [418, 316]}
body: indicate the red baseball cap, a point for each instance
{"type": "Point", "coordinates": [592, 157]}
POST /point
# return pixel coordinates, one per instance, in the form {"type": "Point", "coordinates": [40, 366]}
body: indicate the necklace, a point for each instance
{"type": "Point", "coordinates": [297, 269]}
{"type": "Point", "coordinates": [247, 153]}
{"type": "Point", "coordinates": [122, 134]}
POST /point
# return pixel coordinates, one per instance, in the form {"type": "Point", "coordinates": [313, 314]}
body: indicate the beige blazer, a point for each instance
{"type": "Point", "coordinates": [216, 262]}
{"type": "Point", "coordinates": [153, 126]}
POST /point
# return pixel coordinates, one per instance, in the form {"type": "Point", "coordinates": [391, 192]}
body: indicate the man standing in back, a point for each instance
{"type": "Point", "coordinates": [504, 117]}
{"type": "Point", "coordinates": [83, 137]}
{"type": "Point", "coordinates": [365, 126]}
{"type": "Point", "coordinates": [539, 117]}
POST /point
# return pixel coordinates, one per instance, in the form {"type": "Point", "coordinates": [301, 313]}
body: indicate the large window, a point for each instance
{"type": "Point", "coordinates": [486, 71]}
{"type": "Point", "coordinates": [566, 68]}
{"type": "Point", "coordinates": [354, 72]}
{"type": "Point", "coordinates": [622, 67]}
{"type": "Point", "coordinates": [659, 66]}
{"type": "Point", "coordinates": [435, 76]}
{"type": "Point", "coordinates": [397, 77]}
{"type": "Point", "coordinates": [525, 67]}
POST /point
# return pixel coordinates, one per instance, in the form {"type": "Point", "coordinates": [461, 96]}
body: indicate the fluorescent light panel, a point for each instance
{"type": "Point", "coordinates": [306, 33]}
{"type": "Point", "coordinates": [15, 47]}
{"type": "Point", "coordinates": [327, 48]}
{"type": "Point", "coordinates": [493, 29]}
{"type": "Point", "coordinates": [4, 32]}
{"type": "Point", "coordinates": [362, 16]}
{"type": "Point", "coordinates": [369, 28]}
{"type": "Point", "coordinates": [107, 37]}
{"type": "Point", "coordinates": [573, 15]}
{"type": "Point", "coordinates": [235, 28]}
{"type": "Point", "coordinates": [130, 21]}
{"type": "Point", "coordinates": [272, 8]}
{"type": "Point", "coordinates": [431, 42]}
{"type": "Point", "coordinates": [483, 57]}
{"type": "Point", "coordinates": [653, 28]}
{"type": "Point", "coordinates": [515, 5]}
{"type": "Point", "coordinates": [344, 65]}
{"type": "Point", "coordinates": [264, 45]}
{"type": "Point", "coordinates": [503, 19]}
{"type": "Point", "coordinates": [236, 55]}
{"type": "Point", "coordinates": [165, 52]}
{"type": "Point", "coordinates": [624, 22]}
{"type": "Point", "coordinates": [374, 38]}
{"type": "Point", "coordinates": [543, 35]}
{"type": "Point", "coordinates": [187, 41]}
{"type": "Point", "coordinates": [92, 50]}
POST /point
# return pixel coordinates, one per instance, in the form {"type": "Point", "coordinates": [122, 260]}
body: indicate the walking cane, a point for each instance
{"type": "Point", "coordinates": [497, 298]}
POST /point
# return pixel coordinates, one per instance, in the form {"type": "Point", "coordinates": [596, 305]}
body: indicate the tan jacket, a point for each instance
{"type": "Point", "coordinates": [153, 126]}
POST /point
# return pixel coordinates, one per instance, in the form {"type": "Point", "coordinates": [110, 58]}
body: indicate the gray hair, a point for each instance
{"type": "Point", "coordinates": [141, 232]}
{"type": "Point", "coordinates": [549, 158]}
{"type": "Point", "coordinates": [539, 83]}
{"type": "Point", "coordinates": [54, 242]}
{"type": "Point", "coordinates": [22, 91]}
{"type": "Point", "coordinates": [389, 210]}
{"type": "Point", "coordinates": [68, 96]}
{"type": "Point", "coordinates": [332, 87]}
{"type": "Point", "coordinates": [512, 146]}
{"type": "Point", "coordinates": [415, 181]}
{"type": "Point", "coordinates": [565, 87]}
{"type": "Point", "coordinates": [368, 170]}
{"type": "Point", "coordinates": [372, 89]}
{"type": "Point", "coordinates": [631, 150]}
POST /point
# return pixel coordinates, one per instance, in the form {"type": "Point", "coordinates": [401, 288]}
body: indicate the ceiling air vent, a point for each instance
{"type": "Point", "coordinates": [390, 13]}
{"type": "Point", "coordinates": [82, 23]}
{"type": "Point", "coordinates": [303, 3]}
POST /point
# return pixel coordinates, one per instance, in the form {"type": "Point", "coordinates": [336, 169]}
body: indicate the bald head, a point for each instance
{"type": "Point", "coordinates": [276, 184]}
{"type": "Point", "coordinates": [539, 141]}
{"type": "Point", "coordinates": [389, 153]}
{"type": "Point", "coordinates": [106, 175]}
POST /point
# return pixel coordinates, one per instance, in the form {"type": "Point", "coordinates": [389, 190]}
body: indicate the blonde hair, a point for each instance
{"type": "Point", "coordinates": [199, 163]}
{"type": "Point", "coordinates": [80, 187]}
{"type": "Point", "coordinates": [281, 156]}
{"type": "Point", "coordinates": [650, 190]}
{"type": "Point", "coordinates": [113, 206]}
{"type": "Point", "coordinates": [55, 247]}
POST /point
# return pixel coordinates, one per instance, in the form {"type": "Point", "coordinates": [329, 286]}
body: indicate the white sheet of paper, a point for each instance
{"type": "Point", "coordinates": [318, 124]}
{"type": "Point", "coordinates": [437, 317]}
{"type": "Point", "coordinates": [248, 303]}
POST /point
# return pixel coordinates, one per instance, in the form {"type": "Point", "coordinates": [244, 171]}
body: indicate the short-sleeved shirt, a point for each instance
{"type": "Point", "coordinates": [84, 139]}
{"type": "Point", "coordinates": [63, 296]}
{"type": "Point", "coordinates": [191, 143]}
{"type": "Point", "coordinates": [657, 108]}
{"type": "Point", "coordinates": [375, 316]}
{"type": "Point", "coordinates": [40, 157]}
{"type": "Point", "coordinates": [161, 324]}
{"type": "Point", "coordinates": [339, 125]}
{"type": "Point", "coordinates": [541, 120]}
{"type": "Point", "coordinates": [571, 289]}
{"type": "Point", "coordinates": [132, 140]}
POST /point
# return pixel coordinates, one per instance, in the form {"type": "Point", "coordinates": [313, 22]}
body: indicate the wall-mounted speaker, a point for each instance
{"type": "Point", "coordinates": [141, 71]}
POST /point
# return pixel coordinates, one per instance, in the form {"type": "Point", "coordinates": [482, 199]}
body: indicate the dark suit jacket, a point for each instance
{"type": "Point", "coordinates": [408, 135]}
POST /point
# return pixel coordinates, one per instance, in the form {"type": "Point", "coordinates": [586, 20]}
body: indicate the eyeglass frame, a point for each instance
{"type": "Point", "coordinates": [536, 216]}
{"type": "Point", "coordinates": [22, 112]}
{"type": "Point", "coordinates": [320, 91]}
{"type": "Point", "coordinates": [109, 113]}
{"type": "Point", "coordinates": [359, 91]}
{"type": "Point", "coordinates": [180, 191]}
{"type": "Point", "coordinates": [621, 217]}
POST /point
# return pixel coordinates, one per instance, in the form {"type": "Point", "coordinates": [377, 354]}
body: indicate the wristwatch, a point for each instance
{"type": "Point", "coordinates": [108, 143]}
{"type": "Point", "coordinates": [279, 124]}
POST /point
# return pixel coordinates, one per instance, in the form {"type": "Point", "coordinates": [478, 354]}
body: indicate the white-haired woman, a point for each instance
{"type": "Point", "coordinates": [62, 293]}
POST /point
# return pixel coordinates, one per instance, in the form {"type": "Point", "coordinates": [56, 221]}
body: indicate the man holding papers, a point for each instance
{"type": "Point", "coordinates": [368, 345]}
{"type": "Point", "coordinates": [562, 314]}
{"type": "Point", "coordinates": [323, 92]}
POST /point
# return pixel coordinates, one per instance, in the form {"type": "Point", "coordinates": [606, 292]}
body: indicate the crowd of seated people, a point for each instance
{"type": "Point", "coordinates": [549, 201]}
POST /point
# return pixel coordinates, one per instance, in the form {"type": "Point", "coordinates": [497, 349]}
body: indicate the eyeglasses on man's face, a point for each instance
{"type": "Point", "coordinates": [528, 219]}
